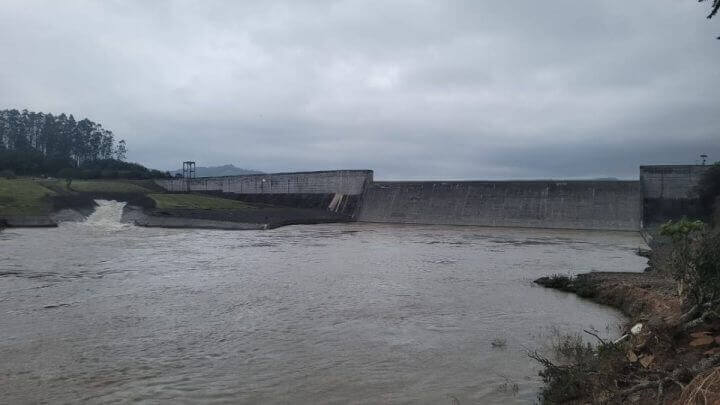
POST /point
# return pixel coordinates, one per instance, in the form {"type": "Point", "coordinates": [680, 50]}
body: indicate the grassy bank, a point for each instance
{"type": "Point", "coordinates": [27, 196]}
{"type": "Point", "coordinates": [21, 199]}
{"type": "Point", "coordinates": [24, 197]}
{"type": "Point", "coordinates": [197, 202]}
{"type": "Point", "coordinates": [33, 197]}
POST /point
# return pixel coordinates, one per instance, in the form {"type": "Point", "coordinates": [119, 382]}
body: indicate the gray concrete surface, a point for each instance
{"type": "Point", "coordinates": [608, 205]}
{"type": "Point", "coordinates": [668, 192]}
{"type": "Point", "coordinates": [350, 182]}
{"type": "Point", "coordinates": [663, 192]}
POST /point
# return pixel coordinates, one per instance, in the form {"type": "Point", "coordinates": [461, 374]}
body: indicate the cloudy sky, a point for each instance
{"type": "Point", "coordinates": [412, 89]}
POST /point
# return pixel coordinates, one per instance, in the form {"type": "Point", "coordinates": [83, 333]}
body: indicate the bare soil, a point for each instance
{"type": "Point", "coordinates": [662, 350]}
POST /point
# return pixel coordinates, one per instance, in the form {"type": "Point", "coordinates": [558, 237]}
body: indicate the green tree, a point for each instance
{"type": "Point", "coordinates": [713, 8]}
{"type": "Point", "coordinates": [121, 150]}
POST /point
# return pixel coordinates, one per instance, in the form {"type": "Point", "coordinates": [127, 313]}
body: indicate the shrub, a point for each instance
{"type": "Point", "coordinates": [581, 370]}
{"type": "Point", "coordinates": [695, 258]}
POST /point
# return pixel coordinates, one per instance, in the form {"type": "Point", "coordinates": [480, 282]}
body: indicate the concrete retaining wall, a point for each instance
{"type": "Point", "coordinates": [347, 182]}
{"type": "Point", "coordinates": [608, 205]}
{"type": "Point", "coordinates": [668, 192]}
{"type": "Point", "coordinates": [27, 221]}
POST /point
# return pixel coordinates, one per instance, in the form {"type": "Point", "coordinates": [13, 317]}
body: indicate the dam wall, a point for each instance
{"type": "Point", "coordinates": [338, 191]}
{"type": "Point", "coordinates": [346, 182]}
{"type": "Point", "coordinates": [663, 192]}
{"type": "Point", "coordinates": [607, 205]}
{"type": "Point", "coordinates": [668, 192]}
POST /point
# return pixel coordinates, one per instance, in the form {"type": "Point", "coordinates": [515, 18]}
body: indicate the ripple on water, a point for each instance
{"type": "Point", "coordinates": [302, 314]}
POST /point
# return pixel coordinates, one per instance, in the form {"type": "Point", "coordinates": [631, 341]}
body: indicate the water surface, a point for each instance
{"type": "Point", "coordinates": [340, 313]}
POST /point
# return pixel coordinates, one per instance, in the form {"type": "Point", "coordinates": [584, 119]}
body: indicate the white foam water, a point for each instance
{"type": "Point", "coordinates": [107, 215]}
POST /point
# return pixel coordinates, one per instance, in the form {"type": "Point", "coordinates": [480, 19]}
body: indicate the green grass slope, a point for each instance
{"type": "Point", "coordinates": [23, 197]}
{"type": "Point", "coordinates": [108, 186]}
{"type": "Point", "coordinates": [197, 202]}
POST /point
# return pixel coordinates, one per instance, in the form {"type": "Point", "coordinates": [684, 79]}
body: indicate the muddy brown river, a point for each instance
{"type": "Point", "coordinates": [106, 312]}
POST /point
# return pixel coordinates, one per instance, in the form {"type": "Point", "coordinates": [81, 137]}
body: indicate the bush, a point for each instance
{"type": "Point", "coordinates": [7, 173]}
{"type": "Point", "coordinates": [695, 258]}
{"type": "Point", "coordinates": [559, 281]}
{"type": "Point", "coordinates": [581, 370]}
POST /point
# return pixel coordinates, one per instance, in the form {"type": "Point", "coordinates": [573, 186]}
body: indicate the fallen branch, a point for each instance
{"type": "Point", "coordinates": [602, 342]}
{"type": "Point", "coordinates": [639, 387]}
{"type": "Point", "coordinates": [699, 367]}
{"type": "Point", "coordinates": [689, 315]}
{"type": "Point", "coordinates": [699, 320]}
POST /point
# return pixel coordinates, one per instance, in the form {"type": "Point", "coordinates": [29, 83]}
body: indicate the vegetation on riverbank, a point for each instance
{"type": "Point", "coordinates": [109, 186]}
{"type": "Point", "coordinates": [23, 197]}
{"type": "Point", "coordinates": [43, 144]}
{"type": "Point", "coordinates": [32, 197]}
{"type": "Point", "coordinates": [34, 202]}
{"type": "Point", "coordinates": [672, 344]}
{"type": "Point", "coordinates": [197, 202]}
{"type": "Point", "coordinates": [670, 352]}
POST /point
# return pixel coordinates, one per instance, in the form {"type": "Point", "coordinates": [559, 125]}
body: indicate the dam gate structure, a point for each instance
{"type": "Point", "coordinates": [663, 192]}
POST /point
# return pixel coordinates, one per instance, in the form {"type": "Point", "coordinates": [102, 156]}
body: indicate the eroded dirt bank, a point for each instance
{"type": "Point", "coordinates": [661, 358]}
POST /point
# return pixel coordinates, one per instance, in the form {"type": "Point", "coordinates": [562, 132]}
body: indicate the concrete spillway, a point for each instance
{"type": "Point", "coordinates": [610, 205]}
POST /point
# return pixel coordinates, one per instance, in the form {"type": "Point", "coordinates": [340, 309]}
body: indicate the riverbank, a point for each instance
{"type": "Point", "coordinates": [659, 359]}
{"type": "Point", "coordinates": [30, 202]}
{"type": "Point", "coordinates": [252, 217]}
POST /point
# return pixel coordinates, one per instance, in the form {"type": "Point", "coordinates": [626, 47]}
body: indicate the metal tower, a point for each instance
{"type": "Point", "coordinates": [188, 170]}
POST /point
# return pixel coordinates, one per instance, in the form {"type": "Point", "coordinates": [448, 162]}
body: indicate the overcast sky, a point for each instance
{"type": "Point", "coordinates": [412, 89]}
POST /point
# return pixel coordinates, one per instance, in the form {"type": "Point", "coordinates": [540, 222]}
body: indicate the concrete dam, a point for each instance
{"type": "Point", "coordinates": [662, 193]}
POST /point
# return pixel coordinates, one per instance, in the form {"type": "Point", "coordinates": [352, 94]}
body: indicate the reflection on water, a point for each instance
{"type": "Point", "coordinates": [344, 313]}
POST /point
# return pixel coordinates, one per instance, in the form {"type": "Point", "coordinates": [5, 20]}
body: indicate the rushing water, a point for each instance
{"type": "Point", "coordinates": [341, 313]}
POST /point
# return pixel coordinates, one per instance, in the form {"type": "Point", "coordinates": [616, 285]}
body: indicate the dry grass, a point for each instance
{"type": "Point", "coordinates": [703, 389]}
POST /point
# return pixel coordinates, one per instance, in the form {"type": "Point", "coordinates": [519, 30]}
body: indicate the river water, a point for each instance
{"type": "Point", "coordinates": [340, 313]}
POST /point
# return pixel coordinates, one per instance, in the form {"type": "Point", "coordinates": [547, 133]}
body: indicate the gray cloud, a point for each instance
{"type": "Point", "coordinates": [412, 89]}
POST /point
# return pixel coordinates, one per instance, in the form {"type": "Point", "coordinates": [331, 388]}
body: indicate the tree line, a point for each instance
{"type": "Point", "coordinates": [36, 143]}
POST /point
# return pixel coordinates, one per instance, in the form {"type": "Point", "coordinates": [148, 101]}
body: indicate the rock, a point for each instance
{"type": "Point", "coordinates": [646, 360]}
{"type": "Point", "coordinates": [702, 341]}
{"type": "Point", "coordinates": [699, 334]}
{"type": "Point", "coordinates": [632, 356]}
{"type": "Point", "coordinates": [636, 329]}
{"type": "Point", "coordinates": [717, 339]}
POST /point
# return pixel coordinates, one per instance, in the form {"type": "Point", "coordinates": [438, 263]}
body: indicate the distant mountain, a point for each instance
{"type": "Point", "coordinates": [217, 171]}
